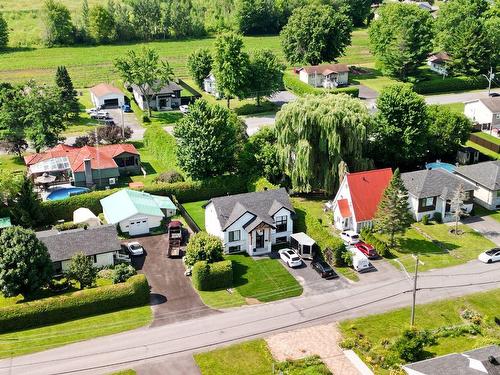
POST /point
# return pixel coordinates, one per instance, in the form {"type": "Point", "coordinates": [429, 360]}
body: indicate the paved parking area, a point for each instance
{"type": "Point", "coordinates": [487, 226]}
{"type": "Point", "coordinates": [173, 297]}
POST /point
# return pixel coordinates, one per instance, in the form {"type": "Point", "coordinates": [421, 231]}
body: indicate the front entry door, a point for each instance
{"type": "Point", "coordinates": [259, 240]}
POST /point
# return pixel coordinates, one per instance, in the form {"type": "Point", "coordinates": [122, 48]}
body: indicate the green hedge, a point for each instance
{"type": "Point", "coordinates": [159, 143]}
{"type": "Point", "coordinates": [379, 245]}
{"type": "Point", "coordinates": [450, 84]}
{"type": "Point", "coordinates": [295, 85]}
{"type": "Point", "coordinates": [190, 191]}
{"type": "Point", "coordinates": [134, 292]}
{"type": "Point", "coordinates": [212, 276]}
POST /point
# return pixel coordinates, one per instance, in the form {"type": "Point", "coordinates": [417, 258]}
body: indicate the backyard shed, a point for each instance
{"type": "Point", "coordinates": [107, 96]}
{"type": "Point", "coordinates": [303, 244]}
{"type": "Point", "coordinates": [83, 215]}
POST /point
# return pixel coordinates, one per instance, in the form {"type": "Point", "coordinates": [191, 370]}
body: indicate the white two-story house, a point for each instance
{"type": "Point", "coordinates": [486, 177]}
{"type": "Point", "coordinates": [484, 112]}
{"type": "Point", "coordinates": [251, 222]}
{"type": "Point", "coordinates": [328, 76]}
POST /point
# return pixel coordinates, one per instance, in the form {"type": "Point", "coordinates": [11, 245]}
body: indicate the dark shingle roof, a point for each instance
{"type": "Point", "coordinates": [262, 204]}
{"type": "Point", "coordinates": [93, 241]}
{"type": "Point", "coordinates": [486, 174]}
{"type": "Point", "coordinates": [433, 183]}
{"type": "Point", "coordinates": [167, 89]}
{"type": "Point", "coordinates": [467, 363]}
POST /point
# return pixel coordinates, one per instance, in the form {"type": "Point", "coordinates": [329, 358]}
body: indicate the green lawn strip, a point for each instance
{"type": "Point", "coordinates": [84, 123]}
{"type": "Point", "coordinates": [454, 107]}
{"type": "Point", "coordinates": [481, 211]}
{"type": "Point", "coordinates": [488, 137]}
{"type": "Point", "coordinates": [323, 232]}
{"type": "Point", "coordinates": [222, 299]}
{"type": "Point", "coordinates": [43, 338]}
{"type": "Point", "coordinates": [197, 212]}
{"type": "Point", "coordinates": [254, 358]}
{"type": "Point", "coordinates": [375, 329]}
{"type": "Point", "coordinates": [483, 150]}
{"type": "Point", "coordinates": [12, 163]}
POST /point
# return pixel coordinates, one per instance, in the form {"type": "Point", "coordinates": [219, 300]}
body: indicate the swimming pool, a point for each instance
{"type": "Point", "coordinates": [440, 165]}
{"type": "Point", "coordinates": [64, 193]}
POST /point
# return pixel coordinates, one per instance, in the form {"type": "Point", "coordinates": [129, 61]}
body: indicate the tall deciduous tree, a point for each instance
{"type": "Point", "coordinates": [4, 32]}
{"type": "Point", "coordinates": [267, 74]}
{"type": "Point", "coordinates": [256, 16]}
{"type": "Point", "coordinates": [146, 18]}
{"type": "Point", "coordinates": [146, 70]}
{"type": "Point", "coordinates": [398, 134]}
{"type": "Point", "coordinates": [401, 38]}
{"type": "Point", "coordinates": [457, 205]}
{"type": "Point", "coordinates": [200, 65]}
{"type": "Point", "coordinates": [231, 66]}
{"type": "Point", "coordinates": [82, 270]}
{"type": "Point", "coordinates": [57, 20]}
{"type": "Point", "coordinates": [208, 139]}
{"type": "Point", "coordinates": [101, 24]}
{"type": "Point", "coordinates": [68, 92]}
{"type": "Point", "coordinates": [316, 33]}
{"type": "Point", "coordinates": [392, 216]}
{"type": "Point", "coordinates": [318, 137]}
{"type": "Point", "coordinates": [25, 264]}
{"type": "Point", "coordinates": [359, 10]}
{"type": "Point", "coordinates": [12, 127]}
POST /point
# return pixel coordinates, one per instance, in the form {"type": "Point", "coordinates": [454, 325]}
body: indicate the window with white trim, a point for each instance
{"type": "Point", "coordinates": [234, 236]}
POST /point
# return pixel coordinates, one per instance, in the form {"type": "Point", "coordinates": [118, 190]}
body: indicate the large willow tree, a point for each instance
{"type": "Point", "coordinates": [319, 138]}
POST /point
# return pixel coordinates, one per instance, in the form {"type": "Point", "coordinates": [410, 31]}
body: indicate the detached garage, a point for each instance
{"type": "Point", "coordinates": [136, 212]}
{"type": "Point", "coordinates": [107, 96]}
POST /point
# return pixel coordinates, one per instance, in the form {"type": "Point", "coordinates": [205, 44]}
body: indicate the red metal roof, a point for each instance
{"type": "Point", "coordinates": [366, 190]}
{"type": "Point", "coordinates": [345, 211]}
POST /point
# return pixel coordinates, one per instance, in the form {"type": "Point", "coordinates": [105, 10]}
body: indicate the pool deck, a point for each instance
{"type": "Point", "coordinates": [44, 194]}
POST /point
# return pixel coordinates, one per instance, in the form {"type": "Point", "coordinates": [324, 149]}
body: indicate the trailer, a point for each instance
{"type": "Point", "coordinates": [174, 239]}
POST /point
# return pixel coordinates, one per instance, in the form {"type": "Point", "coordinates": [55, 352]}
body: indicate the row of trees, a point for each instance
{"type": "Point", "coordinates": [237, 74]}
{"type": "Point", "coordinates": [404, 34]}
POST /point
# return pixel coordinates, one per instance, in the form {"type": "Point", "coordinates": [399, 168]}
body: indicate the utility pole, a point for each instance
{"type": "Point", "coordinates": [490, 77]}
{"type": "Point", "coordinates": [412, 323]}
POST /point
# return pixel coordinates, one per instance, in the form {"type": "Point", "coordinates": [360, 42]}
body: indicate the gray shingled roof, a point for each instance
{"type": "Point", "coordinates": [92, 241]}
{"type": "Point", "coordinates": [433, 183]}
{"type": "Point", "coordinates": [262, 204]}
{"type": "Point", "coordinates": [493, 104]}
{"type": "Point", "coordinates": [460, 364]}
{"type": "Point", "coordinates": [167, 89]}
{"type": "Point", "coordinates": [486, 174]}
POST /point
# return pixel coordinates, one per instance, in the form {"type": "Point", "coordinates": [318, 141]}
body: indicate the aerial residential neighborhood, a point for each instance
{"type": "Point", "coordinates": [202, 187]}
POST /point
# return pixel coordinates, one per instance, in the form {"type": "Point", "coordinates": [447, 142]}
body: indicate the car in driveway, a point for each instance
{"type": "Point", "coordinates": [367, 249]}
{"type": "Point", "coordinates": [350, 237]}
{"type": "Point", "coordinates": [135, 248]}
{"type": "Point", "coordinates": [490, 256]}
{"type": "Point", "coordinates": [99, 115]}
{"type": "Point", "coordinates": [324, 269]}
{"type": "Point", "coordinates": [184, 108]}
{"type": "Point", "coordinates": [290, 257]}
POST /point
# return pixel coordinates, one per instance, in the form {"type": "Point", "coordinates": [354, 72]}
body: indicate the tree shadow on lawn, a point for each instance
{"type": "Point", "coordinates": [418, 246]}
{"type": "Point", "coordinates": [167, 117]}
{"type": "Point", "coordinates": [239, 273]}
{"type": "Point", "coordinates": [148, 167]}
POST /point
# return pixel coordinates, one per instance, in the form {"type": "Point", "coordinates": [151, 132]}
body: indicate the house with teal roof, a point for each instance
{"type": "Point", "coordinates": [136, 212]}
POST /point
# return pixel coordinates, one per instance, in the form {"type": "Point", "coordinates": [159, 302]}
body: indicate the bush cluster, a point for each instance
{"type": "Point", "coordinates": [438, 218]}
{"type": "Point", "coordinates": [450, 84]}
{"type": "Point", "coordinates": [169, 177]}
{"type": "Point", "coordinates": [122, 272]}
{"type": "Point", "coordinates": [135, 292]}
{"type": "Point", "coordinates": [379, 245]}
{"type": "Point", "coordinates": [212, 276]}
{"type": "Point", "coordinates": [425, 219]}
{"type": "Point", "coordinates": [69, 225]}
{"type": "Point", "coordinates": [295, 85]}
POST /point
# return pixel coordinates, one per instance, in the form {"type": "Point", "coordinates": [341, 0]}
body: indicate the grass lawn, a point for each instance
{"type": "Point", "coordinates": [264, 280]}
{"type": "Point", "coordinates": [254, 358]}
{"type": "Point", "coordinates": [84, 123]}
{"type": "Point", "coordinates": [197, 212]}
{"type": "Point", "coordinates": [455, 107]}
{"type": "Point", "coordinates": [43, 338]}
{"type": "Point", "coordinates": [376, 329]}
{"type": "Point", "coordinates": [12, 163]}
{"type": "Point", "coordinates": [481, 211]}
{"type": "Point", "coordinates": [488, 137]}
{"type": "Point", "coordinates": [483, 150]}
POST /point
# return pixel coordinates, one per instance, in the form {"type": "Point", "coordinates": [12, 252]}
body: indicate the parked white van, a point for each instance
{"type": "Point", "coordinates": [359, 261]}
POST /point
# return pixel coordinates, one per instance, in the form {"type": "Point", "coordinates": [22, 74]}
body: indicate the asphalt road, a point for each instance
{"type": "Point", "coordinates": [169, 342]}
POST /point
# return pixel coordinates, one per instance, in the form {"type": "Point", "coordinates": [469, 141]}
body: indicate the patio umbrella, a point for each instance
{"type": "Point", "coordinates": [45, 179]}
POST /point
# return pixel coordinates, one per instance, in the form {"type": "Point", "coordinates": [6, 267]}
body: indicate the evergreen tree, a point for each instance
{"type": "Point", "coordinates": [26, 205]}
{"type": "Point", "coordinates": [392, 214]}
{"type": "Point", "coordinates": [68, 92]}
{"type": "Point", "coordinates": [4, 32]}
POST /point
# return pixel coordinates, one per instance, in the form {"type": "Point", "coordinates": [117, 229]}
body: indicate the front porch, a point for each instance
{"type": "Point", "coordinates": [259, 240]}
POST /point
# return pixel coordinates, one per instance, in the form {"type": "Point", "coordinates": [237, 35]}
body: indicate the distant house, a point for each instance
{"type": "Point", "coordinates": [99, 243]}
{"type": "Point", "coordinates": [482, 361]}
{"type": "Point", "coordinates": [251, 222]}
{"type": "Point", "coordinates": [136, 212]}
{"type": "Point", "coordinates": [486, 178]}
{"type": "Point", "coordinates": [328, 76]}
{"type": "Point", "coordinates": [431, 191]}
{"type": "Point", "coordinates": [106, 96]}
{"type": "Point", "coordinates": [165, 99]}
{"type": "Point", "coordinates": [357, 199]}
{"type": "Point", "coordinates": [85, 166]}
{"type": "Point", "coordinates": [485, 112]}
{"type": "Point", "coordinates": [209, 85]}
{"type": "Point", "coordinates": [438, 62]}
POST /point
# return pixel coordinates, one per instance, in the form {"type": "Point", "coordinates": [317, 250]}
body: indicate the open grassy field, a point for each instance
{"type": "Point", "coordinates": [371, 334]}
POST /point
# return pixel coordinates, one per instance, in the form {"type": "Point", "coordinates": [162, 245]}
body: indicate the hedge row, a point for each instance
{"type": "Point", "coordinates": [379, 245]}
{"type": "Point", "coordinates": [450, 84]}
{"type": "Point", "coordinates": [134, 292]}
{"type": "Point", "coordinates": [184, 191]}
{"type": "Point", "coordinates": [159, 143]}
{"type": "Point", "coordinates": [213, 276]}
{"type": "Point", "coordinates": [295, 85]}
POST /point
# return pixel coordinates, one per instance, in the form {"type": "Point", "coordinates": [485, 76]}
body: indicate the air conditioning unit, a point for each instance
{"type": "Point", "coordinates": [112, 181]}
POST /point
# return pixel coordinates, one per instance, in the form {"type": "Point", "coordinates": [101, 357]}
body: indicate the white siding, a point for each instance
{"type": "Point", "coordinates": [138, 99]}
{"type": "Point", "coordinates": [153, 222]}
{"type": "Point", "coordinates": [238, 225]}
{"type": "Point", "coordinates": [104, 259]}
{"type": "Point", "coordinates": [99, 100]}
{"type": "Point", "coordinates": [289, 226]}
{"type": "Point", "coordinates": [343, 193]}
{"type": "Point", "coordinates": [478, 112]}
{"type": "Point", "coordinates": [212, 224]}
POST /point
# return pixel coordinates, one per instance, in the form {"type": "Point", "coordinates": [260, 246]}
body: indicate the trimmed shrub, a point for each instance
{"type": "Point", "coordinates": [203, 246]}
{"type": "Point", "coordinates": [425, 219]}
{"type": "Point", "coordinates": [169, 177]}
{"type": "Point", "coordinates": [69, 226]}
{"type": "Point", "coordinates": [300, 88]}
{"type": "Point", "coordinates": [135, 292]}
{"type": "Point", "coordinates": [122, 272]}
{"type": "Point", "coordinates": [450, 84]}
{"type": "Point", "coordinates": [213, 276]}
{"type": "Point", "coordinates": [379, 245]}
{"type": "Point", "coordinates": [438, 218]}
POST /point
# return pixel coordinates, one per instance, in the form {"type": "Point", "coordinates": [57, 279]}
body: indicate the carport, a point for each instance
{"type": "Point", "coordinates": [303, 245]}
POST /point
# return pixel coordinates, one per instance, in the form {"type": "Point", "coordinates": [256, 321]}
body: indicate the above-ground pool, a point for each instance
{"type": "Point", "coordinates": [64, 193]}
{"type": "Point", "coordinates": [440, 165]}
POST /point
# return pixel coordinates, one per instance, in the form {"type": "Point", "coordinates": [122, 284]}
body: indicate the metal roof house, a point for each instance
{"type": "Point", "coordinates": [136, 212]}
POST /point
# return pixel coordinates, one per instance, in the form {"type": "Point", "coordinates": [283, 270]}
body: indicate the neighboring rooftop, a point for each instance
{"type": "Point", "coordinates": [169, 88]}
{"type": "Point", "coordinates": [326, 69]}
{"type": "Point", "coordinates": [486, 174]}
{"type": "Point", "coordinates": [493, 104]}
{"type": "Point", "coordinates": [103, 89]}
{"type": "Point", "coordinates": [433, 183]}
{"type": "Point", "coordinates": [439, 57]}
{"type": "Point", "coordinates": [91, 241]}
{"type": "Point", "coordinates": [262, 204]}
{"type": "Point", "coordinates": [483, 361]}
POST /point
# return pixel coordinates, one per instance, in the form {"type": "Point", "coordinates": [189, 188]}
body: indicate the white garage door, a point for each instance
{"type": "Point", "coordinates": [138, 226]}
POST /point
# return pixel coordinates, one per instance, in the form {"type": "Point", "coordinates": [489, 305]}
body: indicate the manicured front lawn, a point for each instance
{"type": "Point", "coordinates": [197, 212]}
{"type": "Point", "coordinates": [372, 332]}
{"type": "Point", "coordinates": [43, 338]}
{"type": "Point", "coordinates": [261, 280]}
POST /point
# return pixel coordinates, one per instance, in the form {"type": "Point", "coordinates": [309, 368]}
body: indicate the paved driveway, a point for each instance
{"type": "Point", "coordinates": [173, 297]}
{"type": "Point", "coordinates": [488, 227]}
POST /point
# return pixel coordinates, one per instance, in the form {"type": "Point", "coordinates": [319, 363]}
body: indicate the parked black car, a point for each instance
{"type": "Point", "coordinates": [324, 269]}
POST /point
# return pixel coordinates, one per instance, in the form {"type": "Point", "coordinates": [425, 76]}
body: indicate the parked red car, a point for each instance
{"type": "Point", "coordinates": [367, 249]}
